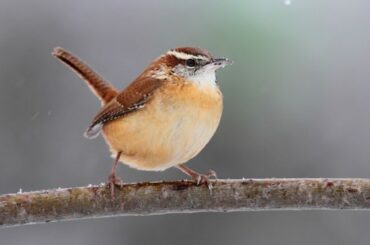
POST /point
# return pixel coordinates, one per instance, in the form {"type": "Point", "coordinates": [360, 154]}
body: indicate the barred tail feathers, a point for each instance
{"type": "Point", "coordinates": [98, 85]}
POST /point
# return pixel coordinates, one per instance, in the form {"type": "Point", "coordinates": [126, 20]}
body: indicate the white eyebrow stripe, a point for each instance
{"type": "Point", "coordinates": [184, 56]}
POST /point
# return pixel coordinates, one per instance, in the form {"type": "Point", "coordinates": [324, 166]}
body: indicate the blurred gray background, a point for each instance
{"type": "Point", "coordinates": [297, 104]}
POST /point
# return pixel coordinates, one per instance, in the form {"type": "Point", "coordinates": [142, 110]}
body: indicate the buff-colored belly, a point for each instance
{"type": "Point", "coordinates": [171, 129]}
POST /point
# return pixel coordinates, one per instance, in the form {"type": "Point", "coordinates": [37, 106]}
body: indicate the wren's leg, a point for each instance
{"type": "Point", "coordinates": [199, 178]}
{"type": "Point", "coordinates": [113, 179]}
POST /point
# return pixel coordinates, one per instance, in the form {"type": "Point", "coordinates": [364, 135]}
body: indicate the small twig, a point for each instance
{"type": "Point", "coordinates": [184, 197]}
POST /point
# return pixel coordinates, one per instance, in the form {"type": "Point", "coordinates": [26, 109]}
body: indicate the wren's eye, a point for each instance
{"type": "Point", "coordinates": [190, 62]}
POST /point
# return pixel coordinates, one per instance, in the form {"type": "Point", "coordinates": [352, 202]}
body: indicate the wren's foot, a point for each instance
{"type": "Point", "coordinates": [197, 177]}
{"type": "Point", "coordinates": [113, 181]}
{"type": "Point", "coordinates": [205, 178]}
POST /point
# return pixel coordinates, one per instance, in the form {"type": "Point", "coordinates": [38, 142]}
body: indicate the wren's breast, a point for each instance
{"type": "Point", "coordinates": [171, 129]}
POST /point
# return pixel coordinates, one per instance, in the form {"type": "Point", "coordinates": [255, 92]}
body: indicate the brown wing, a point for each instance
{"type": "Point", "coordinates": [130, 99]}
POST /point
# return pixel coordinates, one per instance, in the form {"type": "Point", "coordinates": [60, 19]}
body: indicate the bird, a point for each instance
{"type": "Point", "coordinates": [164, 117]}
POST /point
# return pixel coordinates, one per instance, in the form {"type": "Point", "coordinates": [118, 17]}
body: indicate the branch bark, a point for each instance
{"type": "Point", "coordinates": [184, 197]}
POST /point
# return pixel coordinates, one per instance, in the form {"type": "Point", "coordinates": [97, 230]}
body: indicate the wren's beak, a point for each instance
{"type": "Point", "coordinates": [218, 63]}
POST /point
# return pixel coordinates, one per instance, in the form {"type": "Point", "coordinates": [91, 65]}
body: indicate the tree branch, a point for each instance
{"type": "Point", "coordinates": [184, 197]}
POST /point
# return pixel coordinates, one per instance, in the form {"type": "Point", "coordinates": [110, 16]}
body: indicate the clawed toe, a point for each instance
{"type": "Point", "coordinates": [197, 177]}
{"type": "Point", "coordinates": [211, 173]}
{"type": "Point", "coordinates": [113, 179]}
{"type": "Point", "coordinates": [205, 178]}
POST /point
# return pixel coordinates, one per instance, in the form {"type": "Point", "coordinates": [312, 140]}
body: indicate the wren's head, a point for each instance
{"type": "Point", "coordinates": [192, 64]}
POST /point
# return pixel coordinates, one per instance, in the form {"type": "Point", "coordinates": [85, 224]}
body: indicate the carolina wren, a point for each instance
{"type": "Point", "coordinates": [165, 117]}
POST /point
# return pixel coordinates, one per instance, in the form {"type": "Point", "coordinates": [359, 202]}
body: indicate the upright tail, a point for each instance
{"type": "Point", "coordinates": [98, 85]}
